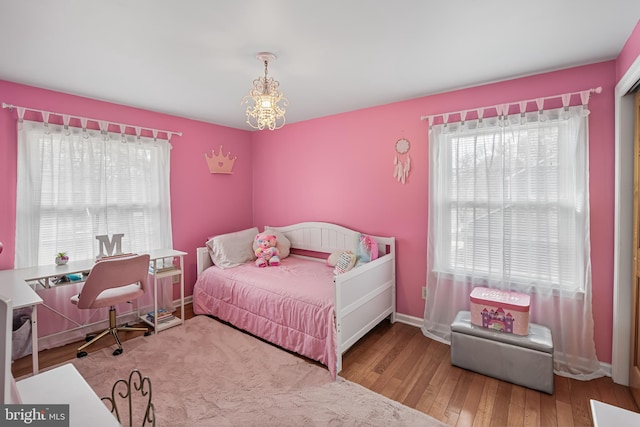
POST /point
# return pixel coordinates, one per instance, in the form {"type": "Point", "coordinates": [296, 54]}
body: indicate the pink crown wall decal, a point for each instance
{"type": "Point", "coordinates": [219, 163]}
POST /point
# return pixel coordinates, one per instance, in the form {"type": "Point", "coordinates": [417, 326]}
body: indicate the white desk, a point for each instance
{"type": "Point", "coordinates": [65, 385]}
{"type": "Point", "coordinates": [13, 285]}
{"type": "Point", "coordinates": [605, 415]}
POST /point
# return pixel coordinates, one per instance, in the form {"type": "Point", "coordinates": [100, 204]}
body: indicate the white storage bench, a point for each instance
{"type": "Point", "coordinates": [523, 360]}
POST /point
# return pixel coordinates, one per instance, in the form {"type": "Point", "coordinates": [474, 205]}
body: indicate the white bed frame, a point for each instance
{"type": "Point", "coordinates": [364, 296]}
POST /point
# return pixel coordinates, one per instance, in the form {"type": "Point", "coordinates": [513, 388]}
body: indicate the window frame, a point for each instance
{"type": "Point", "coordinates": [445, 236]}
{"type": "Point", "coordinates": [144, 159]}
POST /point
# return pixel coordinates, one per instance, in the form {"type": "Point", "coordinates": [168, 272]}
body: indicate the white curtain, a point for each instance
{"type": "Point", "coordinates": [509, 209]}
{"type": "Point", "coordinates": [75, 184]}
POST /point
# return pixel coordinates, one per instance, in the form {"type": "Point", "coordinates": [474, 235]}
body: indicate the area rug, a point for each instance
{"type": "Point", "coordinates": [206, 373]}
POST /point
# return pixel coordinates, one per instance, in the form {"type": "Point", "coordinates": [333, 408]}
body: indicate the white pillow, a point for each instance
{"type": "Point", "coordinates": [232, 249]}
{"type": "Point", "coordinates": [346, 261]}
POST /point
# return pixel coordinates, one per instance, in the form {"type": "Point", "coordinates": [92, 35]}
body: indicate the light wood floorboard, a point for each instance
{"type": "Point", "coordinates": [398, 361]}
{"type": "Point", "coordinates": [463, 398]}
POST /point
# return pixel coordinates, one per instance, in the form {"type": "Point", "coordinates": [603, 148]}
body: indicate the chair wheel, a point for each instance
{"type": "Point", "coordinates": [81, 354]}
{"type": "Point", "coordinates": [117, 352]}
{"type": "Point", "coordinates": [146, 334]}
{"type": "Point", "coordinates": [89, 338]}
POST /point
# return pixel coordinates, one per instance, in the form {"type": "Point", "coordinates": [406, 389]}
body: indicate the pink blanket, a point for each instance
{"type": "Point", "coordinates": [290, 305]}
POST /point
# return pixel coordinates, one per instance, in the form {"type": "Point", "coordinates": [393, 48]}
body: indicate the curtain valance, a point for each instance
{"type": "Point", "coordinates": [103, 125]}
{"type": "Point", "coordinates": [518, 107]}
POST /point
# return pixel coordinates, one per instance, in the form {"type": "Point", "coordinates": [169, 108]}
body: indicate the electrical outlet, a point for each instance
{"type": "Point", "coordinates": [424, 292]}
{"type": "Point", "coordinates": [176, 279]}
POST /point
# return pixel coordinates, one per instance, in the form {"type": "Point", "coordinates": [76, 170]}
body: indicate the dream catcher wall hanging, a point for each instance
{"type": "Point", "coordinates": [402, 161]}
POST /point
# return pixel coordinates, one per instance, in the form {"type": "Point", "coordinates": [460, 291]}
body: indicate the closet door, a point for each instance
{"type": "Point", "coordinates": [634, 368]}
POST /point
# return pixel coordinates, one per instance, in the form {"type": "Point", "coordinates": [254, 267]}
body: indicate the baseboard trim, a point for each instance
{"type": "Point", "coordinates": [417, 322]}
{"type": "Point", "coordinates": [409, 320]}
{"type": "Point", "coordinates": [68, 336]}
{"type": "Point", "coordinates": [607, 368]}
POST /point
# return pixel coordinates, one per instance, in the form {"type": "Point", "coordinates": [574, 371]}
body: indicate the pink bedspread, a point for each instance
{"type": "Point", "coordinates": [290, 305]}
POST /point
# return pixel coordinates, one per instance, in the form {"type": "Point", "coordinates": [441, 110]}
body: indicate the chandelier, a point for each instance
{"type": "Point", "coordinates": [266, 102]}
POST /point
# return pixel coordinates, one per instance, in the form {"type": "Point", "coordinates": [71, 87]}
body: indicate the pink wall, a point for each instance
{"type": "Point", "coordinates": [202, 203]}
{"type": "Point", "coordinates": [339, 169]}
{"type": "Point", "coordinates": [629, 53]}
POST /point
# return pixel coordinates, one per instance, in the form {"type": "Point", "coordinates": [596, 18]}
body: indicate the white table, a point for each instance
{"type": "Point", "coordinates": [605, 415]}
{"type": "Point", "coordinates": [65, 385]}
{"type": "Point", "coordinates": [14, 285]}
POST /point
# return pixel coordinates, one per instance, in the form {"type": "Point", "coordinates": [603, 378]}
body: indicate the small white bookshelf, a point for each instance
{"type": "Point", "coordinates": [160, 268]}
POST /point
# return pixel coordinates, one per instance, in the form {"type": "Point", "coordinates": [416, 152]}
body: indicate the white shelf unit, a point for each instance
{"type": "Point", "coordinates": [158, 257]}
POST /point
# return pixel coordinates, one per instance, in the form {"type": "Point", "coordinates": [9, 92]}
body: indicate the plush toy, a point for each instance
{"type": "Point", "coordinates": [267, 252]}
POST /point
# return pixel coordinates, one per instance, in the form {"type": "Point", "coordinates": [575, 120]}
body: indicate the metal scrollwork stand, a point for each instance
{"type": "Point", "coordinates": [135, 383]}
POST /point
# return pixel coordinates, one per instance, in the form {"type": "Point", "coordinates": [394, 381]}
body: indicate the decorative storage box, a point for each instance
{"type": "Point", "coordinates": [503, 311]}
{"type": "Point", "coordinates": [523, 360]}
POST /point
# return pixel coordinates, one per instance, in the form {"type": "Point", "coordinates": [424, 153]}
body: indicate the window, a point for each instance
{"type": "Point", "coordinates": [510, 201]}
{"type": "Point", "coordinates": [74, 185]}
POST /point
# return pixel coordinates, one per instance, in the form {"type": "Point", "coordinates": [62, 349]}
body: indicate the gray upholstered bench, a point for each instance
{"type": "Point", "coordinates": [523, 360]}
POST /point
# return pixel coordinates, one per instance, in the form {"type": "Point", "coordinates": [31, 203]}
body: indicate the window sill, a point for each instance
{"type": "Point", "coordinates": [514, 285]}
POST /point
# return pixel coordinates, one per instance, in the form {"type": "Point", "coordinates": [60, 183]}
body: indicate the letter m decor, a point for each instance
{"type": "Point", "coordinates": [110, 247]}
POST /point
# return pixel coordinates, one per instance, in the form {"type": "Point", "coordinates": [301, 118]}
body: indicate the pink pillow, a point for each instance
{"type": "Point", "coordinates": [367, 248]}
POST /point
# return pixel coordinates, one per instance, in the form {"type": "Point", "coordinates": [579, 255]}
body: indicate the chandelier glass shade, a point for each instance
{"type": "Point", "coordinates": [266, 102]}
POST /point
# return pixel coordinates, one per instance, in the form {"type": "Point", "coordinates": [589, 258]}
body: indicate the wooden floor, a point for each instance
{"type": "Point", "coordinates": [398, 361]}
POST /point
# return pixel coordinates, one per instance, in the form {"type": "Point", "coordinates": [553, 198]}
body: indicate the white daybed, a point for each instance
{"type": "Point", "coordinates": [357, 300]}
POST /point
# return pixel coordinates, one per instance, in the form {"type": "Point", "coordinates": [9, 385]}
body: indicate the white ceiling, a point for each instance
{"type": "Point", "coordinates": [196, 59]}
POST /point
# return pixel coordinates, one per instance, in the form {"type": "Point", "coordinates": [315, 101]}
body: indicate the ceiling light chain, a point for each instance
{"type": "Point", "coordinates": [268, 109]}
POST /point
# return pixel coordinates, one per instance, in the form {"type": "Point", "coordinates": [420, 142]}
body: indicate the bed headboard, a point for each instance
{"type": "Point", "coordinates": [326, 237]}
{"type": "Point", "coordinates": [313, 236]}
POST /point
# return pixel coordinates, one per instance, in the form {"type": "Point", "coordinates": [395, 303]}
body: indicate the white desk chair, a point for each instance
{"type": "Point", "coordinates": [111, 282]}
